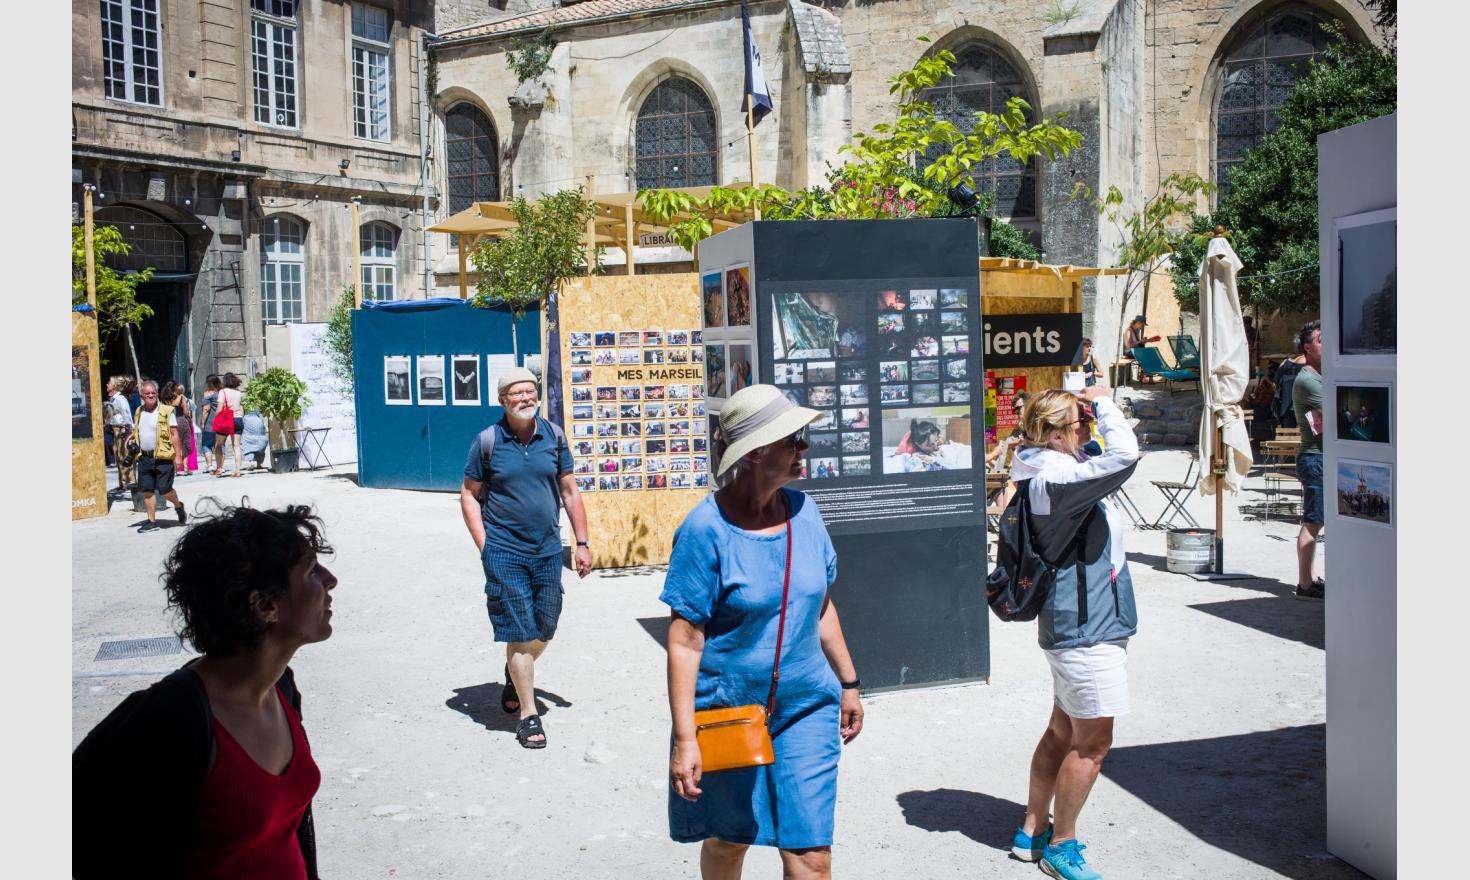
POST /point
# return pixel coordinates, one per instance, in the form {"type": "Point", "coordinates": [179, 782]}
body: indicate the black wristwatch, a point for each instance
{"type": "Point", "coordinates": [850, 685]}
{"type": "Point", "coordinates": [581, 543]}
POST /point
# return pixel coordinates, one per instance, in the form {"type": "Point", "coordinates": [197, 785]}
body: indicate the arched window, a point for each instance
{"type": "Point", "coordinates": [1260, 68]}
{"type": "Point", "coordinates": [676, 137]}
{"type": "Point", "coordinates": [153, 240]}
{"type": "Point", "coordinates": [282, 265]}
{"type": "Point", "coordinates": [379, 260]}
{"type": "Point", "coordinates": [474, 157]}
{"type": "Point", "coordinates": [984, 80]}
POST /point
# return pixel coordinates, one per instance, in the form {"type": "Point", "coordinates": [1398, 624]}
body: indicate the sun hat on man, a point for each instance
{"type": "Point", "coordinates": [513, 376]}
{"type": "Point", "coordinates": [756, 416]}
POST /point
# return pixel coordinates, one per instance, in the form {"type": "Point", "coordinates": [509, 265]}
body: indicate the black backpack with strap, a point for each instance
{"type": "Point", "coordinates": [487, 448]}
{"type": "Point", "coordinates": [1018, 586]}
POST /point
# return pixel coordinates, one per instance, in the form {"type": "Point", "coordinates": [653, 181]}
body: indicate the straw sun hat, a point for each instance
{"type": "Point", "coordinates": [756, 416]}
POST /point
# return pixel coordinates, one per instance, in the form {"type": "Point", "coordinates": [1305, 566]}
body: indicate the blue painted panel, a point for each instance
{"type": "Point", "coordinates": [423, 447]}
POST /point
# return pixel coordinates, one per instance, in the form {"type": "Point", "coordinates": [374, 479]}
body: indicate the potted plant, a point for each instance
{"type": "Point", "coordinates": [280, 395]}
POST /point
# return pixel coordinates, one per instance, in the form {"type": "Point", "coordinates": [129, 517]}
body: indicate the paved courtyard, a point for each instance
{"type": "Point", "coordinates": [1217, 773]}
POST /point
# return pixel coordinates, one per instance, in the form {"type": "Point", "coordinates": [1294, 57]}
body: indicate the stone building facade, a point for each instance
{"type": "Point", "coordinates": [1155, 87]}
{"type": "Point", "coordinates": [226, 139]}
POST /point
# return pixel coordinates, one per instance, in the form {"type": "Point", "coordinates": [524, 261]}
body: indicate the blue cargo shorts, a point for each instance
{"type": "Point", "coordinates": [1309, 471]}
{"type": "Point", "coordinates": [522, 595]}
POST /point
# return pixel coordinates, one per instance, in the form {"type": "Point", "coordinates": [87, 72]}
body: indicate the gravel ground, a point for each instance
{"type": "Point", "coordinates": [1218, 772]}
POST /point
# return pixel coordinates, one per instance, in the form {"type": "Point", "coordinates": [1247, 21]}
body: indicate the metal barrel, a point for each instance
{"type": "Point", "coordinates": [1191, 551]}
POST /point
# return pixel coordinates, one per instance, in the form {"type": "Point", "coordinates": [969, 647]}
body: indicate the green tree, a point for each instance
{"type": "Point", "coordinates": [532, 260]}
{"type": "Point", "coordinates": [338, 337]}
{"type": "Point", "coordinates": [886, 174]}
{"type": "Point", "coordinates": [118, 309]}
{"type": "Point", "coordinates": [1270, 208]}
{"type": "Point", "coordinates": [1151, 233]}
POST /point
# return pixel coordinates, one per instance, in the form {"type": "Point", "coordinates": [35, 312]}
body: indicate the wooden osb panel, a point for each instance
{"type": "Point", "coordinates": [88, 462]}
{"type": "Point", "coordinates": [632, 527]}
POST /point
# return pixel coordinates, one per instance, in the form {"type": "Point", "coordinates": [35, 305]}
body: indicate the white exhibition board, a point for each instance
{"type": "Point", "coordinates": [331, 398]}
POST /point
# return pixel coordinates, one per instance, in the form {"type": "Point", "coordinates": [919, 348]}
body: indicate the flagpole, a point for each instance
{"type": "Point", "coordinates": [750, 140]}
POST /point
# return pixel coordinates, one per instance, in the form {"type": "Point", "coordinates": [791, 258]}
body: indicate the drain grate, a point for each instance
{"type": "Point", "coordinates": [139, 648]}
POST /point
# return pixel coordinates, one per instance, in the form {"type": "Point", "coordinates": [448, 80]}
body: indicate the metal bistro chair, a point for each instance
{"type": "Point", "coordinates": [1186, 353]}
{"type": "Point", "coordinates": [1175, 494]}
{"type": "Point", "coordinates": [1150, 361]}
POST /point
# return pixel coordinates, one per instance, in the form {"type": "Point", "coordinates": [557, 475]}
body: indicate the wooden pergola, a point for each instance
{"type": "Point", "coordinates": [617, 223]}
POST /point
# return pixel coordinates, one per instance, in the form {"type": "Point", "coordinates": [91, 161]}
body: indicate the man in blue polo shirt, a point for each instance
{"type": "Point", "coordinates": [516, 528]}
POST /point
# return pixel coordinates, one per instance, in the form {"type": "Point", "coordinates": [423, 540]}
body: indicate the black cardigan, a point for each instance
{"type": "Point", "coordinates": [136, 777]}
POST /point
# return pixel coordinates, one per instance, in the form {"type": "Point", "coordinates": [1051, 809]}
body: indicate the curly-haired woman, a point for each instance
{"type": "Point", "coordinates": [212, 760]}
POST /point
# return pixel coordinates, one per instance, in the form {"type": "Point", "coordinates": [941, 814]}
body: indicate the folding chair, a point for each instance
{"type": "Point", "coordinates": [1150, 361]}
{"type": "Point", "coordinates": [1129, 508]}
{"type": "Point", "coordinates": [1175, 494]}
{"type": "Point", "coordinates": [1186, 353]}
{"type": "Point", "coordinates": [1275, 482]}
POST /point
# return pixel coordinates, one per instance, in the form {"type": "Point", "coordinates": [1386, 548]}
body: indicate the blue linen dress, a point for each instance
{"type": "Point", "coordinates": [729, 581]}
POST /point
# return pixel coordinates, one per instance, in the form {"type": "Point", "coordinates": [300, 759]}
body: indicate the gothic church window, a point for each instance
{"type": "Point", "coordinates": [474, 157]}
{"type": "Point", "coordinates": [675, 137]}
{"type": "Point", "coordinates": [984, 80]}
{"type": "Point", "coordinates": [131, 69]}
{"type": "Point", "coordinates": [1258, 72]}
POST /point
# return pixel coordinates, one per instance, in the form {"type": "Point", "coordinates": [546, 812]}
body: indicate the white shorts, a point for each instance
{"type": "Point", "coordinates": [1091, 681]}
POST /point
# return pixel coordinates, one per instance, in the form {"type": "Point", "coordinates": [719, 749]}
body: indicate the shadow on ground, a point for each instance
{"type": "Point", "coordinates": [1261, 796]}
{"type": "Point", "coordinates": [350, 477]}
{"type": "Point", "coordinates": [657, 629]}
{"type": "Point", "coordinates": [1161, 563]}
{"type": "Point", "coordinates": [633, 571]}
{"type": "Point", "coordinates": [481, 703]}
{"type": "Point", "coordinates": [1275, 616]}
{"type": "Point", "coordinates": [989, 821]}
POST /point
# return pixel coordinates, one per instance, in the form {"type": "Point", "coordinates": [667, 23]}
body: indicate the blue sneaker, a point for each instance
{"type": "Point", "coordinates": [1027, 848]}
{"type": "Point", "coordinates": [1064, 861]}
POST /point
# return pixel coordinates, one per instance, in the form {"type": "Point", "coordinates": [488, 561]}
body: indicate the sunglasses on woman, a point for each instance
{"type": "Point", "coordinates": [799, 439]}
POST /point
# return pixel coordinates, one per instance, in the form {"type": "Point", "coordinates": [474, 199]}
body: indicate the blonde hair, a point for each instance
{"type": "Point", "coordinates": [1048, 412]}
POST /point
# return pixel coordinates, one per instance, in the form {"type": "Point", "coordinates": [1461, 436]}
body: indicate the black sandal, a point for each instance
{"type": "Point", "coordinates": [508, 695]}
{"type": "Point", "coordinates": [529, 727]}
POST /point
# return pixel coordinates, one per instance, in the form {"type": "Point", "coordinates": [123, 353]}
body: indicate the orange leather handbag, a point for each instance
{"type": "Point", "coordinates": [740, 736]}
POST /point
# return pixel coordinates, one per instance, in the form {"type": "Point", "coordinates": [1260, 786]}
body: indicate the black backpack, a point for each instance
{"type": "Point", "coordinates": [1019, 584]}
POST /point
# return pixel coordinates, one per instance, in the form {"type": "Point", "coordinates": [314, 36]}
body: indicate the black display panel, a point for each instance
{"type": "Point", "coordinates": [876, 324]}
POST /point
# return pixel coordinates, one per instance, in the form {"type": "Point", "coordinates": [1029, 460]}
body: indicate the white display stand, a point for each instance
{"type": "Point", "coordinates": [331, 401]}
{"type": "Point", "coordinates": [1357, 191]}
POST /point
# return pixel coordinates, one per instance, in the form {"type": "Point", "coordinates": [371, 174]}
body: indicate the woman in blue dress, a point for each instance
{"type": "Point", "coordinates": [724, 589]}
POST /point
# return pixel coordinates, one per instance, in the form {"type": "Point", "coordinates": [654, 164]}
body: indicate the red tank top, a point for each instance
{"type": "Point", "coordinates": [246, 819]}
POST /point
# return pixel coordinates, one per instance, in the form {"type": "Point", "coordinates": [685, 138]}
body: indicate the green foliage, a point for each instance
{"type": "Point", "coordinates": [879, 179]}
{"type": "Point", "coordinates": [278, 393]}
{"type": "Point", "coordinates": [338, 337]}
{"type": "Point", "coordinates": [532, 260]}
{"type": "Point", "coordinates": [1062, 12]}
{"type": "Point", "coordinates": [117, 295]}
{"type": "Point", "coordinates": [1008, 241]}
{"type": "Point", "coordinates": [1271, 206]}
{"type": "Point", "coordinates": [1150, 233]}
{"type": "Point", "coordinates": [529, 58]}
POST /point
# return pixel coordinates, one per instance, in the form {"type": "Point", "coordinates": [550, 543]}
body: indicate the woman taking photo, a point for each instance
{"type": "Point", "coordinates": [211, 764]}
{"type": "Point", "coordinates": [740, 555]}
{"type": "Point", "coordinates": [1089, 614]}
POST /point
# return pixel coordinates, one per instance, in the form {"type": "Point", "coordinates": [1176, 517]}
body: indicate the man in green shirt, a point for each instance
{"type": "Point", "coordinates": [1306, 401]}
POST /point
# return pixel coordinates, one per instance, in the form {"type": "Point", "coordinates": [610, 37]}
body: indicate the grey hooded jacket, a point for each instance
{"type": "Point", "coordinates": [1077, 529]}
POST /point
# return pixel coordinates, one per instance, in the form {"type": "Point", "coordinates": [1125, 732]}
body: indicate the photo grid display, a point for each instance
{"type": "Point", "coordinates": [634, 435]}
{"type": "Point", "coordinates": [889, 371]}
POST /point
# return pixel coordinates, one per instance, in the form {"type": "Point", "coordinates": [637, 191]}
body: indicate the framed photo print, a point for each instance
{"type": "Point", "coordinates": [464, 385]}
{"type": "Point", "coordinates": [397, 388]}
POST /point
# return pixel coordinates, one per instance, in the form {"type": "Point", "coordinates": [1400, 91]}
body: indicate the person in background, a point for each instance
{"type": "Point", "coordinates": [212, 760]}
{"type": "Point", "coordinates": [1089, 363]}
{"type": "Point", "coordinates": [120, 419]}
{"type": "Point", "coordinates": [996, 458]}
{"type": "Point", "coordinates": [185, 457]}
{"type": "Point", "coordinates": [1136, 339]}
{"type": "Point", "coordinates": [1089, 615]}
{"type": "Point", "coordinates": [1281, 403]}
{"type": "Point", "coordinates": [230, 401]}
{"type": "Point", "coordinates": [1252, 340]}
{"type": "Point", "coordinates": [736, 556]}
{"type": "Point", "coordinates": [515, 524]}
{"type": "Point", "coordinates": [158, 436]}
{"type": "Point", "coordinates": [212, 386]}
{"type": "Point", "coordinates": [1263, 417]}
{"type": "Point", "coordinates": [1306, 401]}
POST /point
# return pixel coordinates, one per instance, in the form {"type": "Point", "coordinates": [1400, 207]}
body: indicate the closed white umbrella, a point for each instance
{"type": "Point", "coordinates": [1224, 371]}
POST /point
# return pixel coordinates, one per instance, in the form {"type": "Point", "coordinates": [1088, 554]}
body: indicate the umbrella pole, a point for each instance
{"type": "Point", "coordinates": [1219, 469]}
